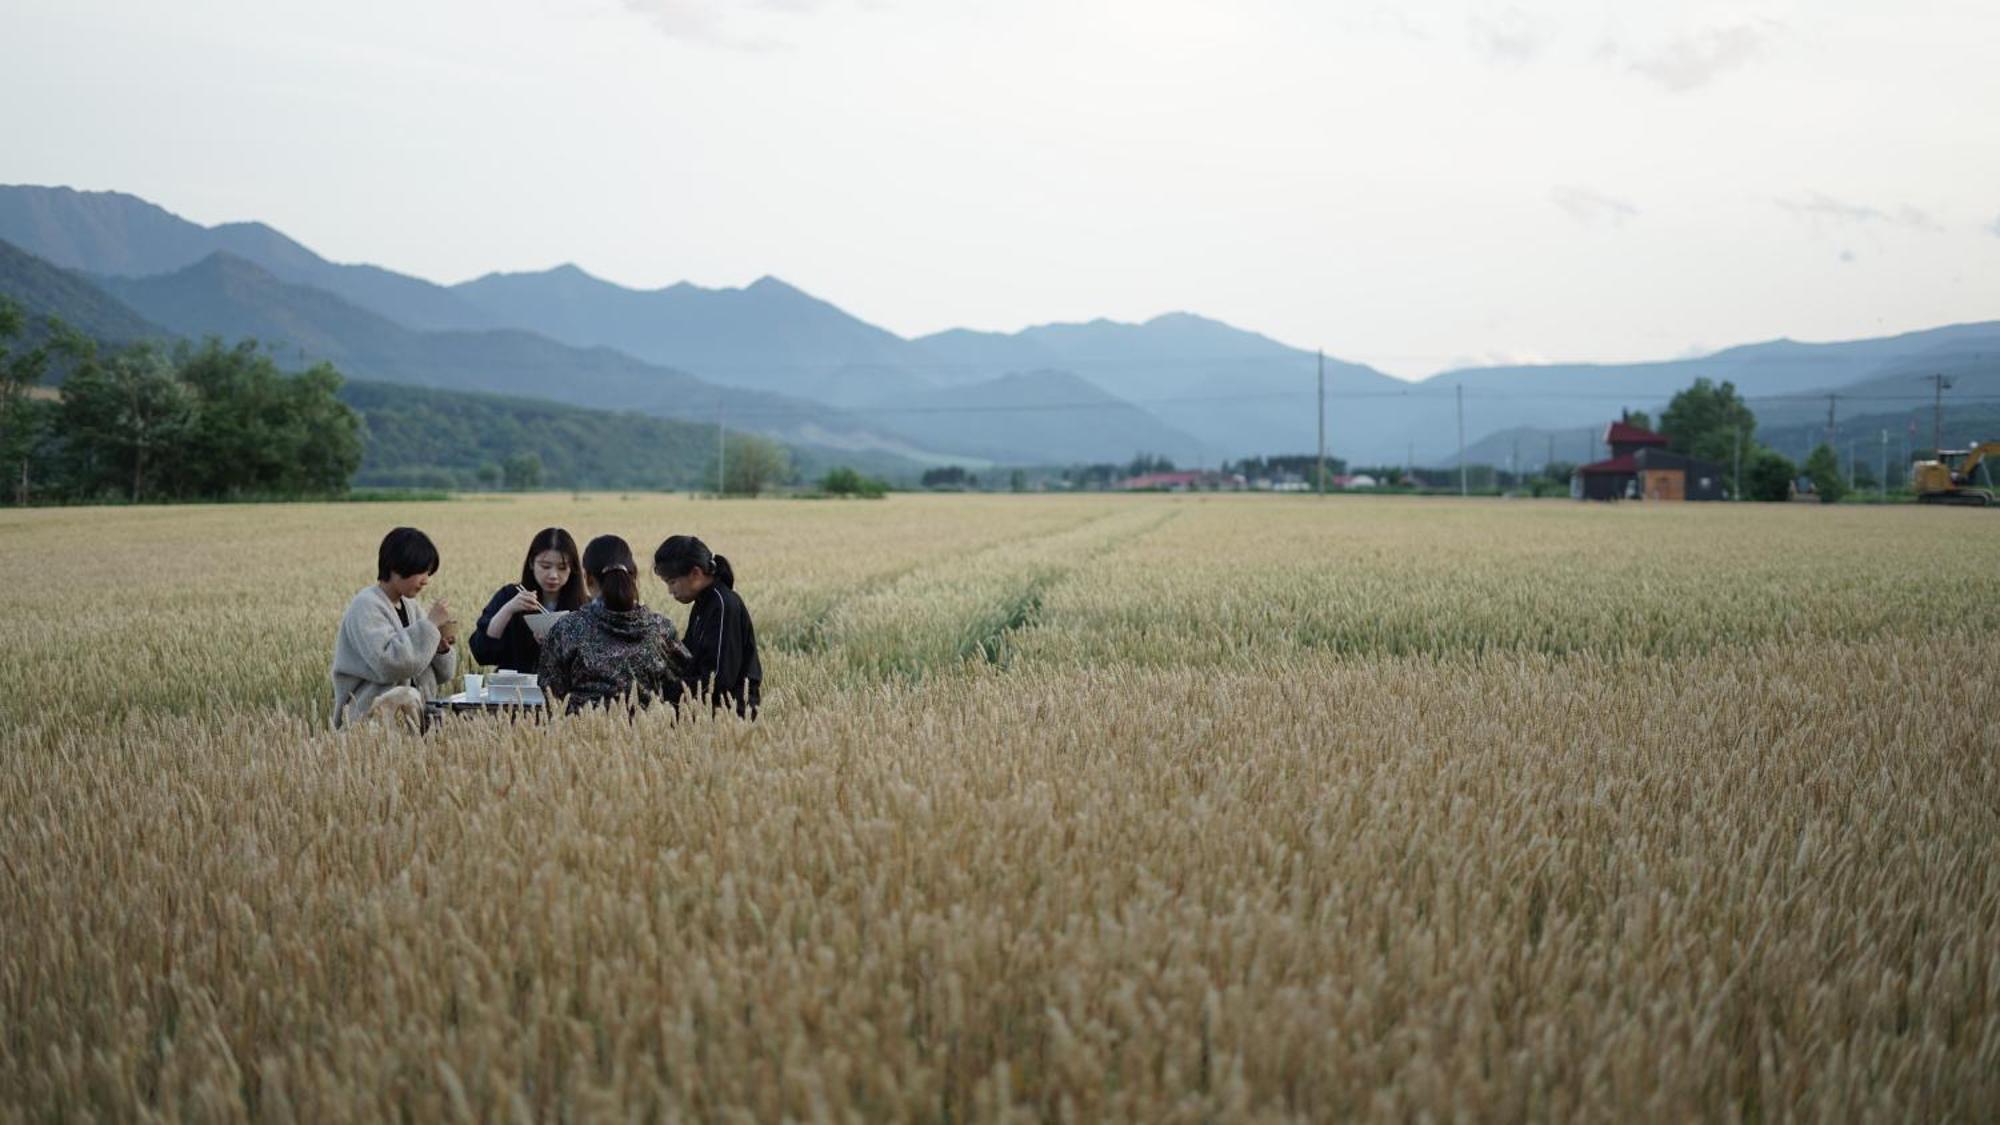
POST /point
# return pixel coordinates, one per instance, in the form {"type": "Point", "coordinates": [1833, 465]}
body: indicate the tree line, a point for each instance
{"type": "Point", "coordinates": [150, 423]}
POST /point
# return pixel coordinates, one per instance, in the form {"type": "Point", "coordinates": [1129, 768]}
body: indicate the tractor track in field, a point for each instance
{"type": "Point", "coordinates": [1022, 610]}
{"type": "Point", "coordinates": [814, 635]}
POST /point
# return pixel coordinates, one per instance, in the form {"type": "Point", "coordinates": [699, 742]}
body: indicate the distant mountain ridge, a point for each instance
{"type": "Point", "coordinates": [45, 291]}
{"type": "Point", "coordinates": [223, 295]}
{"type": "Point", "coordinates": [767, 334]}
{"type": "Point", "coordinates": [112, 233]}
{"type": "Point", "coordinates": [1230, 391]}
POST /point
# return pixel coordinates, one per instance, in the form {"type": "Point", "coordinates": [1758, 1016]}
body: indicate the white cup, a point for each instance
{"type": "Point", "coordinates": [475, 686]}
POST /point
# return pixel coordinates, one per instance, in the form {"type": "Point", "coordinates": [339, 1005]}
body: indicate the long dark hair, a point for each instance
{"type": "Point", "coordinates": [555, 539]}
{"type": "Point", "coordinates": [680, 554]}
{"type": "Point", "coordinates": [608, 561]}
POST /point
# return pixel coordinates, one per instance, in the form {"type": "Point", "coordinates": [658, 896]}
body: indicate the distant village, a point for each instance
{"type": "Point", "coordinates": [1638, 465]}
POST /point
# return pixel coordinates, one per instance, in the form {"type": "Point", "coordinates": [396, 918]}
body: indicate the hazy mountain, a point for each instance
{"type": "Point", "coordinates": [961, 355]}
{"type": "Point", "coordinates": [111, 233]}
{"type": "Point", "coordinates": [428, 438]}
{"type": "Point", "coordinates": [1045, 417]}
{"type": "Point", "coordinates": [225, 296]}
{"type": "Point", "coordinates": [1165, 356]}
{"type": "Point", "coordinates": [425, 436]}
{"type": "Point", "coordinates": [1785, 382]}
{"type": "Point", "coordinates": [767, 335]}
{"type": "Point", "coordinates": [771, 335]}
{"type": "Point", "coordinates": [42, 290]}
{"type": "Point", "coordinates": [1233, 392]}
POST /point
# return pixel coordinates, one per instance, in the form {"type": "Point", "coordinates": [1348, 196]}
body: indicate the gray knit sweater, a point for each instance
{"type": "Point", "coordinates": [374, 651]}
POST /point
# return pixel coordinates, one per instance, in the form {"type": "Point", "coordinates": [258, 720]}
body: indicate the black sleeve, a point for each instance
{"type": "Point", "coordinates": [490, 651]}
{"type": "Point", "coordinates": [736, 667]}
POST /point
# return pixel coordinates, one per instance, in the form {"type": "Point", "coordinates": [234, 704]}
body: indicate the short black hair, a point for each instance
{"type": "Point", "coordinates": [405, 551]}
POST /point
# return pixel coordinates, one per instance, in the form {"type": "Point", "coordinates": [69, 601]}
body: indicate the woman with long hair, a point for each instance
{"type": "Point", "coordinates": [721, 639]}
{"type": "Point", "coordinates": [551, 579]}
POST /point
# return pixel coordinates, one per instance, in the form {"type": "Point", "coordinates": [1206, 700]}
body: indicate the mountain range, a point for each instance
{"type": "Point", "coordinates": [785, 362]}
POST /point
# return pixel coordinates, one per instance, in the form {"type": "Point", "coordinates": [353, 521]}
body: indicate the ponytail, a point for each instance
{"type": "Point", "coordinates": [608, 561]}
{"type": "Point", "coordinates": [680, 554]}
{"type": "Point", "coordinates": [618, 589]}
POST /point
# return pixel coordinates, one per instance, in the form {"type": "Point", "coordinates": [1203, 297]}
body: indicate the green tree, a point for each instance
{"type": "Point", "coordinates": [1017, 481]}
{"type": "Point", "coordinates": [1637, 418]}
{"type": "Point", "coordinates": [262, 432]}
{"type": "Point", "coordinates": [753, 464]}
{"type": "Point", "coordinates": [843, 481]}
{"type": "Point", "coordinates": [489, 474]}
{"type": "Point", "coordinates": [1707, 420]}
{"type": "Point", "coordinates": [1823, 467]}
{"type": "Point", "coordinates": [1768, 475]}
{"type": "Point", "coordinates": [124, 421]}
{"type": "Point", "coordinates": [21, 369]}
{"type": "Point", "coordinates": [522, 471]}
{"type": "Point", "coordinates": [325, 431]}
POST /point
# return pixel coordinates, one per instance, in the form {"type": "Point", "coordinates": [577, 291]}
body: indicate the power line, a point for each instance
{"type": "Point", "coordinates": [1301, 396]}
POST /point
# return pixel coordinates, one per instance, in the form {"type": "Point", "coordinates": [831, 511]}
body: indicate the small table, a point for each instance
{"type": "Point", "coordinates": [495, 701]}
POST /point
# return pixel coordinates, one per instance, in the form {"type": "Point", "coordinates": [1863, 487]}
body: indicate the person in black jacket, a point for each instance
{"type": "Point", "coordinates": [551, 579]}
{"type": "Point", "coordinates": [720, 637]}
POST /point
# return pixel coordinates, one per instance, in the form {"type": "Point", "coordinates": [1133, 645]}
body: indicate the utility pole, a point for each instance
{"type": "Point", "coordinates": [1937, 417]}
{"type": "Point", "coordinates": [1514, 460]}
{"type": "Point", "coordinates": [1830, 439]}
{"type": "Point", "coordinates": [1462, 491]}
{"type": "Point", "coordinates": [1736, 463]}
{"type": "Point", "coordinates": [1551, 458]}
{"type": "Point", "coordinates": [1322, 421]}
{"type": "Point", "coordinates": [1882, 484]}
{"type": "Point", "coordinates": [720, 477]}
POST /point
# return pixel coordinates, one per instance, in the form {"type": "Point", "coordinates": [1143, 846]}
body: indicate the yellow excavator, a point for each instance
{"type": "Point", "coordinates": [1958, 476]}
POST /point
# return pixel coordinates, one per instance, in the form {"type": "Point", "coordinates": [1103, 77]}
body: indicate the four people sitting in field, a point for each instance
{"type": "Point", "coordinates": [609, 647]}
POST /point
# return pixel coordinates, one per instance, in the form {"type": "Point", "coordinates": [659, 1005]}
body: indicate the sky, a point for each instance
{"type": "Point", "coordinates": [1416, 186]}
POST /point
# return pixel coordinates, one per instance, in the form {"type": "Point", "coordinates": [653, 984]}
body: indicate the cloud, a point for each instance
{"type": "Point", "coordinates": [1511, 36]}
{"type": "Point", "coordinates": [1592, 208]}
{"type": "Point", "coordinates": [1821, 208]}
{"type": "Point", "coordinates": [722, 22]}
{"type": "Point", "coordinates": [1846, 256]}
{"type": "Point", "coordinates": [1693, 61]}
{"type": "Point", "coordinates": [1994, 230]}
{"type": "Point", "coordinates": [1384, 19]}
{"type": "Point", "coordinates": [1499, 357]}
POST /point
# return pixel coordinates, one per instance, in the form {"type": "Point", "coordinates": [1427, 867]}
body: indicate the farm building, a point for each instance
{"type": "Point", "coordinates": [1200, 480]}
{"type": "Point", "coordinates": [1642, 467]}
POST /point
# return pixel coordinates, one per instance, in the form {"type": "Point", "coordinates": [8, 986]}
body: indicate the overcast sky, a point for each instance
{"type": "Point", "coordinates": [1416, 185]}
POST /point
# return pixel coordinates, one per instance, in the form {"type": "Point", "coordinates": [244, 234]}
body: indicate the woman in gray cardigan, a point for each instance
{"type": "Point", "coordinates": [385, 639]}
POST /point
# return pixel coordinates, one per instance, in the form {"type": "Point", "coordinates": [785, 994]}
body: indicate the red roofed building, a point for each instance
{"type": "Point", "coordinates": [1640, 465]}
{"type": "Point", "coordinates": [1199, 480]}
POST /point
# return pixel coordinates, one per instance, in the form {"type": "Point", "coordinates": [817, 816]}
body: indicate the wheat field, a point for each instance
{"type": "Point", "coordinates": [1062, 808]}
